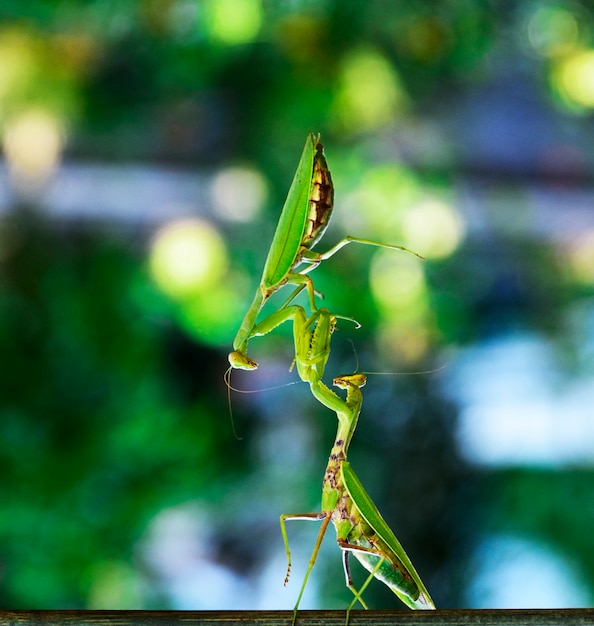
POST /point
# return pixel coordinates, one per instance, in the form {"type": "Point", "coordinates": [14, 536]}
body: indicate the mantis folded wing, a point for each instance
{"type": "Point", "coordinates": [384, 556]}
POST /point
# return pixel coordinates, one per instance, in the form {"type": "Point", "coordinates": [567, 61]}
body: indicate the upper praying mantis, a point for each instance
{"type": "Point", "coordinates": [302, 223]}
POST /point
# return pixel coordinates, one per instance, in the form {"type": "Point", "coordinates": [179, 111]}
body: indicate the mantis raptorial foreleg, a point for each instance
{"type": "Point", "coordinates": [312, 347]}
{"type": "Point", "coordinates": [302, 223]}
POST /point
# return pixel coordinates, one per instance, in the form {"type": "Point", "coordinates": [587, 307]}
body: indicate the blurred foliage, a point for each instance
{"type": "Point", "coordinates": [148, 64]}
{"type": "Point", "coordinates": [113, 408]}
{"type": "Point", "coordinates": [102, 421]}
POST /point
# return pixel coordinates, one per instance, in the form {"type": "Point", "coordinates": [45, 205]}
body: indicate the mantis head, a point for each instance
{"type": "Point", "coordinates": [240, 361]}
{"type": "Point", "coordinates": [350, 381]}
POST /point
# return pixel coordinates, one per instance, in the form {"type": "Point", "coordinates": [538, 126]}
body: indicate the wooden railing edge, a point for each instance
{"type": "Point", "coordinates": [454, 617]}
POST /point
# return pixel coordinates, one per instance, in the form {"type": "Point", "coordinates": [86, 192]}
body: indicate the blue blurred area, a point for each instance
{"type": "Point", "coordinates": [147, 150]}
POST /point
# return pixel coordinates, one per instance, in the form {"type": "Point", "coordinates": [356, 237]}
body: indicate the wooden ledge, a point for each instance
{"type": "Point", "coordinates": [514, 617]}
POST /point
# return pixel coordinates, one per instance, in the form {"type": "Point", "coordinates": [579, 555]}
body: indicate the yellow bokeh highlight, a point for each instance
{"type": "Point", "coordinates": [573, 79]}
{"type": "Point", "coordinates": [32, 143]}
{"type": "Point", "coordinates": [581, 259]}
{"type": "Point", "coordinates": [233, 22]}
{"type": "Point", "coordinates": [433, 228]}
{"type": "Point", "coordinates": [187, 257]}
{"type": "Point", "coordinates": [369, 94]}
{"type": "Point", "coordinates": [552, 30]}
{"type": "Point", "coordinates": [18, 62]}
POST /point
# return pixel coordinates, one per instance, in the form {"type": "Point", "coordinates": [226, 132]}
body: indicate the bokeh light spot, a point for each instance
{"type": "Point", "coordinates": [187, 257]}
{"type": "Point", "coordinates": [407, 342]}
{"type": "Point", "coordinates": [369, 93]}
{"type": "Point", "coordinates": [32, 144]}
{"type": "Point", "coordinates": [234, 22]}
{"type": "Point", "coordinates": [433, 229]}
{"type": "Point", "coordinates": [239, 193]}
{"type": "Point", "coordinates": [398, 283]}
{"type": "Point", "coordinates": [573, 79]}
{"type": "Point", "coordinates": [17, 63]}
{"type": "Point", "coordinates": [400, 290]}
{"type": "Point", "coordinates": [581, 259]}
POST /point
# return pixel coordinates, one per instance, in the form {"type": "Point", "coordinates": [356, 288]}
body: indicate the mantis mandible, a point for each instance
{"type": "Point", "coordinates": [302, 223]}
{"type": "Point", "coordinates": [360, 528]}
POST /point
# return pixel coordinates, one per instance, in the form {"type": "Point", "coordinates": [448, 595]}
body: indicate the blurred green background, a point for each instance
{"type": "Point", "coordinates": [147, 149]}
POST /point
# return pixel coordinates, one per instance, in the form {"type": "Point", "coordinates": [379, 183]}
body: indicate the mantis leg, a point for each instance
{"type": "Point", "coordinates": [314, 555]}
{"type": "Point", "coordinates": [347, 548]}
{"type": "Point", "coordinates": [351, 586]}
{"type": "Point", "coordinates": [349, 581]}
{"type": "Point", "coordinates": [312, 257]}
{"type": "Point", "coordinates": [312, 337]}
{"type": "Point", "coordinates": [312, 348]}
{"type": "Point", "coordinates": [248, 325]}
{"type": "Point", "coordinates": [239, 359]}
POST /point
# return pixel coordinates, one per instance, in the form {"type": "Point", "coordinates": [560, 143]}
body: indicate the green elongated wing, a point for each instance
{"type": "Point", "coordinates": [416, 597]}
{"type": "Point", "coordinates": [292, 222]}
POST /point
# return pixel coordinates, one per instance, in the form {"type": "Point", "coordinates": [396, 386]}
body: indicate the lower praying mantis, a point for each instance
{"type": "Point", "coordinates": [302, 223]}
{"type": "Point", "coordinates": [360, 528]}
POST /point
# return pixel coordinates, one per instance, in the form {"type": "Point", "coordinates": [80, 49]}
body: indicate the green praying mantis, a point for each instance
{"type": "Point", "coordinates": [360, 528]}
{"type": "Point", "coordinates": [302, 223]}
